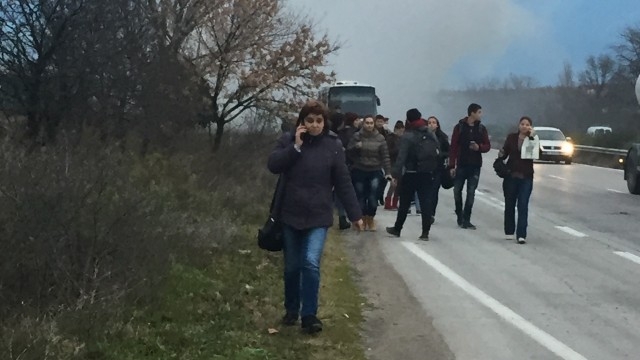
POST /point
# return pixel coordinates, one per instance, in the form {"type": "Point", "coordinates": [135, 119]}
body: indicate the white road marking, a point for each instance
{"type": "Point", "coordinates": [616, 191]}
{"type": "Point", "coordinates": [556, 177]}
{"type": "Point", "coordinates": [490, 200]}
{"type": "Point", "coordinates": [571, 231]}
{"type": "Point", "coordinates": [537, 334]}
{"type": "Point", "coordinates": [492, 203]}
{"type": "Point", "coordinates": [628, 256]}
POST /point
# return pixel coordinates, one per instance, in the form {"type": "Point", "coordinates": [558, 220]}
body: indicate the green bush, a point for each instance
{"type": "Point", "coordinates": [91, 232]}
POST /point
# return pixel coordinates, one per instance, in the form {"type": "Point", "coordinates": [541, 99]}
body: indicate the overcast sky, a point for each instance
{"type": "Point", "coordinates": [405, 48]}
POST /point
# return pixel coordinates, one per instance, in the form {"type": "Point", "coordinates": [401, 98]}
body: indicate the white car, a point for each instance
{"type": "Point", "coordinates": [554, 146]}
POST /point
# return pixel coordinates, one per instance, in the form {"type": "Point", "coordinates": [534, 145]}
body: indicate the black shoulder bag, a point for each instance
{"type": "Point", "coordinates": [270, 236]}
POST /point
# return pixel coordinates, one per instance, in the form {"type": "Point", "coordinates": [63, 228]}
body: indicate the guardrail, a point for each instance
{"type": "Point", "coordinates": [599, 156]}
{"type": "Point", "coordinates": [600, 150]}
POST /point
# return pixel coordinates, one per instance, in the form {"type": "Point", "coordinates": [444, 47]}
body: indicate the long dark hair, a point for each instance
{"type": "Point", "coordinates": [439, 132]}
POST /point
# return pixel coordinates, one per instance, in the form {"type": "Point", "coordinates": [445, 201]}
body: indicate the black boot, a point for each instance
{"type": "Point", "coordinates": [393, 231]}
{"type": "Point", "coordinates": [343, 223]}
{"type": "Point", "coordinates": [311, 324]}
{"type": "Point", "coordinates": [468, 225]}
{"type": "Point", "coordinates": [289, 319]}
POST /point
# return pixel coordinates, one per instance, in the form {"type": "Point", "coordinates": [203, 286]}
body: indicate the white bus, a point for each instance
{"type": "Point", "coordinates": [351, 96]}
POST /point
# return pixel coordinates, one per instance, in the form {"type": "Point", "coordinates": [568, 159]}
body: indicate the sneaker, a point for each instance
{"type": "Point", "coordinates": [424, 236]}
{"type": "Point", "coordinates": [521, 241]}
{"type": "Point", "coordinates": [289, 319]}
{"type": "Point", "coordinates": [393, 231]}
{"type": "Point", "coordinates": [311, 324]}
{"type": "Point", "coordinates": [509, 236]}
{"type": "Point", "coordinates": [468, 225]}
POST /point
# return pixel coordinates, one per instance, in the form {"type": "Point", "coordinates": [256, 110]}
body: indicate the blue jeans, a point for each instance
{"type": "Point", "coordinates": [367, 185]}
{"type": "Point", "coordinates": [516, 192]}
{"type": "Point", "coordinates": [470, 175]}
{"type": "Point", "coordinates": [302, 255]}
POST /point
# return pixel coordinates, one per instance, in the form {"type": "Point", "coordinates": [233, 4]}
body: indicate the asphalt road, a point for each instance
{"type": "Point", "coordinates": [572, 292]}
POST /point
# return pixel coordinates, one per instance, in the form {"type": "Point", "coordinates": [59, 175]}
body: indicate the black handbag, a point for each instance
{"type": "Point", "coordinates": [270, 236]}
{"type": "Point", "coordinates": [501, 169]}
{"type": "Point", "coordinates": [446, 180]}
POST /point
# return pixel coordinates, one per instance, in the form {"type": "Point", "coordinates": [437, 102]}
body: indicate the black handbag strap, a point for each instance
{"type": "Point", "coordinates": [276, 201]}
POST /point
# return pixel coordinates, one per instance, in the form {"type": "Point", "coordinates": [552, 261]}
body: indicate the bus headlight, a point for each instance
{"type": "Point", "coordinates": [567, 148]}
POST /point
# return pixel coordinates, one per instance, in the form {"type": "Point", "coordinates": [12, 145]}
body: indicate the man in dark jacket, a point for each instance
{"type": "Point", "coordinates": [469, 141]}
{"type": "Point", "coordinates": [419, 155]}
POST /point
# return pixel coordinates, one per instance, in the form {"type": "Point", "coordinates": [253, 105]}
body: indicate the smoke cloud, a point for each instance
{"type": "Point", "coordinates": [411, 48]}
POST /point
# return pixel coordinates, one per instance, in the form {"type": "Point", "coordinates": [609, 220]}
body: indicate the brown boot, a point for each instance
{"type": "Point", "coordinates": [372, 224]}
{"type": "Point", "coordinates": [365, 220]}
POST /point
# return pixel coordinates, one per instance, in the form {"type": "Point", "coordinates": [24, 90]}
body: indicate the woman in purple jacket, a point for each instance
{"type": "Point", "coordinates": [312, 161]}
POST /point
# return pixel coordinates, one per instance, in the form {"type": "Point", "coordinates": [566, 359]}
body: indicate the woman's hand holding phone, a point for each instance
{"type": "Point", "coordinates": [299, 131]}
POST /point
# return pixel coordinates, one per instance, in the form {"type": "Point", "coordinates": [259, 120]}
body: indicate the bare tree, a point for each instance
{"type": "Point", "coordinates": [566, 77]}
{"type": "Point", "coordinates": [628, 51]}
{"type": "Point", "coordinates": [519, 82]}
{"type": "Point", "coordinates": [598, 73]}
{"type": "Point", "coordinates": [32, 33]}
{"type": "Point", "coordinates": [253, 53]}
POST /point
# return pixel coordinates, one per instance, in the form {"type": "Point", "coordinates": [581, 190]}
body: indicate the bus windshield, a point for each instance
{"type": "Point", "coordinates": [357, 99]}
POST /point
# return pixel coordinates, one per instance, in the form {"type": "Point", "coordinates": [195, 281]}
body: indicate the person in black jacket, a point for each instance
{"type": "Point", "coordinates": [419, 156]}
{"type": "Point", "coordinates": [345, 133]}
{"type": "Point", "coordinates": [434, 124]}
{"type": "Point", "coordinates": [312, 161]}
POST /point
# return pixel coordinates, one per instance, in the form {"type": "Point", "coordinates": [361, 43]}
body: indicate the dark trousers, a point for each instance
{"type": "Point", "coordinates": [517, 192]}
{"type": "Point", "coordinates": [422, 183]}
{"type": "Point", "coordinates": [435, 191]}
{"type": "Point", "coordinates": [470, 175]}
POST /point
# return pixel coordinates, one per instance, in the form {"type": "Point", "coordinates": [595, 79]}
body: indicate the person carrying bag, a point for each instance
{"type": "Point", "coordinates": [270, 235]}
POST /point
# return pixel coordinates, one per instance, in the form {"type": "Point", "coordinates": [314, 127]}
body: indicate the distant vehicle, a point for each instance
{"type": "Point", "coordinates": [599, 130]}
{"type": "Point", "coordinates": [554, 146]}
{"type": "Point", "coordinates": [351, 96]}
{"type": "Point", "coordinates": [632, 160]}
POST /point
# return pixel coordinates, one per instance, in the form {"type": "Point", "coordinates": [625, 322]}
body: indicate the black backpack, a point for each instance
{"type": "Point", "coordinates": [426, 152]}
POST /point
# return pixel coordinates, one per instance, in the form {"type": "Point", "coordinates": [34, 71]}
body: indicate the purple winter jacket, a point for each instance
{"type": "Point", "coordinates": [310, 177]}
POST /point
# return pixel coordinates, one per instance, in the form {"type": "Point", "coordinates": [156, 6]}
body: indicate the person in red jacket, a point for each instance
{"type": "Point", "coordinates": [469, 141]}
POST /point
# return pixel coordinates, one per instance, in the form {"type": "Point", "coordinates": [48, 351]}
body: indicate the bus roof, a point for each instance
{"type": "Point", "coordinates": [349, 83]}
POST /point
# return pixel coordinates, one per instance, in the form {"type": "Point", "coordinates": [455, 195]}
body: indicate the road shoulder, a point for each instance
{"type": "Point", "coordinates": [396, 325]}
